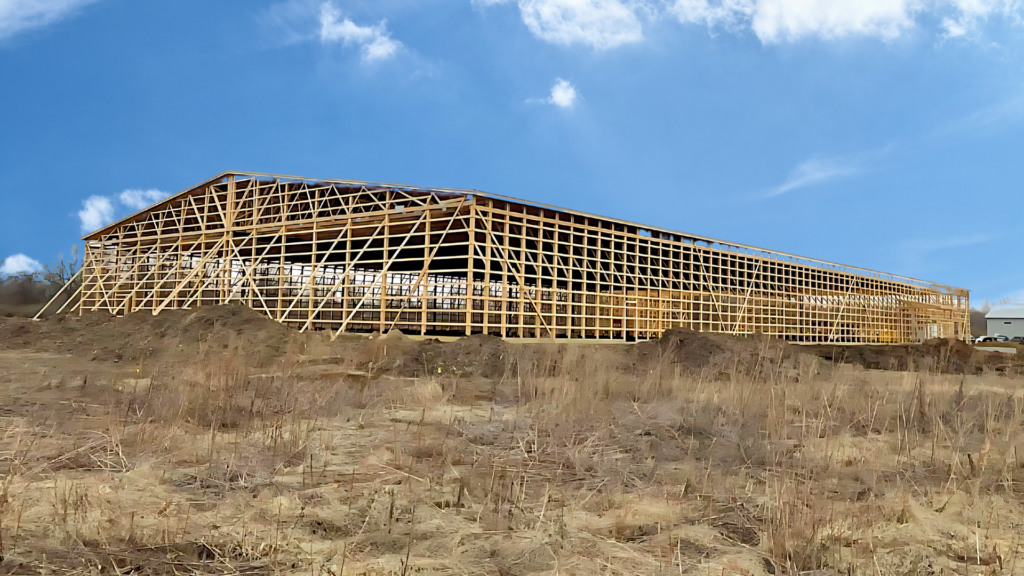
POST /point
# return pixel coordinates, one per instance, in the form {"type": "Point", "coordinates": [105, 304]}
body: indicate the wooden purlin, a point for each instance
{"type": "Point", "coordinates": [340, 256]}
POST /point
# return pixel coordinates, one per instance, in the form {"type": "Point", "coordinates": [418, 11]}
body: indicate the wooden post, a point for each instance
{"type": "Point", "coordinates": [470, 260]}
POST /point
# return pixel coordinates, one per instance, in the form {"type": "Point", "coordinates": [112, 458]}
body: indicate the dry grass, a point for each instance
{"type": "Point", "coordinates": [566, 464]}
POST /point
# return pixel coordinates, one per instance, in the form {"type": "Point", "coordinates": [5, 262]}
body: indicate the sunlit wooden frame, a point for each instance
{"type": "Point", "coordinates": [351, 256]}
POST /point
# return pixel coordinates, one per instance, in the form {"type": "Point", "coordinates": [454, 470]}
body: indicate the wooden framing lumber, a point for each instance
{"type": "Point", "coordinates": [70, 282]}
{"type": "Point", "coordinates": [350, 256]}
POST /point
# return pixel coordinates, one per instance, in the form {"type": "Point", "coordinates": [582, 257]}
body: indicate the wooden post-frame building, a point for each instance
{"type": "Point", "coordinates": [362, 257]}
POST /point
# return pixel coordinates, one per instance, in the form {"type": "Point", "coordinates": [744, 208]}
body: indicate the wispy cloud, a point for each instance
{"type": "Point", "coordinates": [775, 21]}
{"type": "Point", "coordinates": [994, 117]}
{"type": "Point", "coordinates": [965, 15]}
{"type": "Point", "coordinates": [18, 16]}
{"type": "Point", "coordinates": [933, 251]}
{"type": "Point", "coordinates": [374, 41]}
{"type": "Point", "coordinates": [290, 22]}
{"type": "Point", "coordinates": [98, 211]}
{"type": "Point", "coordinates": [297, 21]}
{"type": "Point", "coordinates": [953, 28]}
{"type": "Point", "coordinates": [816, 171]}
{"type": "Point", "coordinates": [19, 264]}
{"type": "Point", "coordinates": [921, 246]}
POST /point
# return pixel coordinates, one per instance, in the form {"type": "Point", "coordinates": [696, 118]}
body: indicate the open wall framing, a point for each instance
{"type": "Point", "coordinates": [361, 257]}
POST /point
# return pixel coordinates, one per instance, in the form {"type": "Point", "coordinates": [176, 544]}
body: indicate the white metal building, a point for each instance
{"type": "Point", "coordinates": [1005, 321]}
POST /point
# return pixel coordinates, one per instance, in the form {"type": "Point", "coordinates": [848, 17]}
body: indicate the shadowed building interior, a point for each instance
{"type": "Point", "coordinates": [352, 256]}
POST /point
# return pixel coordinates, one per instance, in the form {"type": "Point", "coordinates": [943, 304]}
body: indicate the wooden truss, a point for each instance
{"type": "Point", "coordinates": [359, 257]}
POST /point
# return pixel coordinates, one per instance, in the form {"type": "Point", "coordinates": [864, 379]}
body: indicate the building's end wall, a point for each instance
{"type": "Point", "coordinates": [1005, 326]}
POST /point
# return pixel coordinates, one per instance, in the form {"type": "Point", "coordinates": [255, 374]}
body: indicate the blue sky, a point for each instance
{"type": "Point", "coordinates": [885, 134]}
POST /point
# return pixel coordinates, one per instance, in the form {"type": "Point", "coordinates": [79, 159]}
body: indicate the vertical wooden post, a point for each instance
{"type": "Point", "coordinates": [425, 282]}
{"type": "Point", "coordinates": [470, 260]}
{"type": "Point", "coordinates": [488, 215]}
{"type": "Point", "coordinates": [228, 248]}
{"type": "Point", "coordinates": [280, 273]}
{"type": "Point", "coordinates": [521, 314]}
{"type": "Point", "coordinates": [313, 272]}
{"type": "Point", "coordinates": [383, 272]}
{"type": "Point", "coordinates": [345, 286]}
{"type": "Point", "coordinates": [504, 294]}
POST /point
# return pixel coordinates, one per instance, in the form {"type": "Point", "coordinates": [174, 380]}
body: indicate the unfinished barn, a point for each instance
{"type": "Point", "coordinates": [364, 257]}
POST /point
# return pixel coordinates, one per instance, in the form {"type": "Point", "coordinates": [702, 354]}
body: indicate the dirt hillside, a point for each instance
{"type": "Point", "coordinates": [184, 333]}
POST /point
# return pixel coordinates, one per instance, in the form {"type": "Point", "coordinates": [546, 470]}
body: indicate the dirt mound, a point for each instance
{"type": "Point", "coordinates": [697, 350]}
{"type": "Point", "coordinates": [215, 326]}
{"type": "Point", "coordinates": [402, 356]}
{"type": "Point", "coordinates": [141, 335]}
{"type": "Point", "coordinates": [945, 356]}
{"type": "Point", "coordinates": [703, 350]}
{"type": "Point", "coordinates": [178, 335]}
{"type": "Point", "coordinates": [952, 356]}
{"type": "Point", "coordinates": [478, 354]}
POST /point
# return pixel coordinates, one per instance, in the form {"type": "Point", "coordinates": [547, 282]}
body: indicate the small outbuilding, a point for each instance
{"type": "Point", "coordinates": [1005, 321]}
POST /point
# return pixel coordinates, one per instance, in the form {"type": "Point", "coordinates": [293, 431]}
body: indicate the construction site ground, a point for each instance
{"type": "Point", "coordinates": [215, 440]}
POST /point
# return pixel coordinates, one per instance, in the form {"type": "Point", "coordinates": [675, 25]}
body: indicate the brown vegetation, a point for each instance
{"type": "Point", "coordinates": [217, 441]}
{"type": "Point", "coordinates": [979, 325]}
{"type": "Point", "coordinates": [25, 294]}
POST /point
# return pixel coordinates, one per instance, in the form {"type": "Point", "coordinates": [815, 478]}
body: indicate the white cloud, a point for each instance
{"type": "Point", "coordinates": [982, 8]}
{"type": "Point", "coordinates": [381, 48]}
{"type": "Point", "coordinates": [774, 21]}
{"type": "Point", "coordinates": [953, 28]}
{"type": "Point", "coordinates": [967, 13]}
{"type": "Point", "coordinates": [790, 20]}
{"type": "Point", "coordinates": [375, 41]}
{"type": "Point", "coordinates": [563, 94]}
{"type": "Point", "coordinates": [21, 15]}
{"type": "Point", "coordinates": [814, 171]}
{"type": "Point", "coordinates": [778, 20]}
{"type": "Point", "coordinates": [600, 24]}
{"type": "Point", "coordinates": [96, 212]}
{"type": "Point", "coordinates": [604, 24]}
{"type": "Point", "coordinates": [19, 263]}
{"type": "Point", "coordinates": [139, 199]}
{"type": "Point", "coordinates": [729, 13]}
